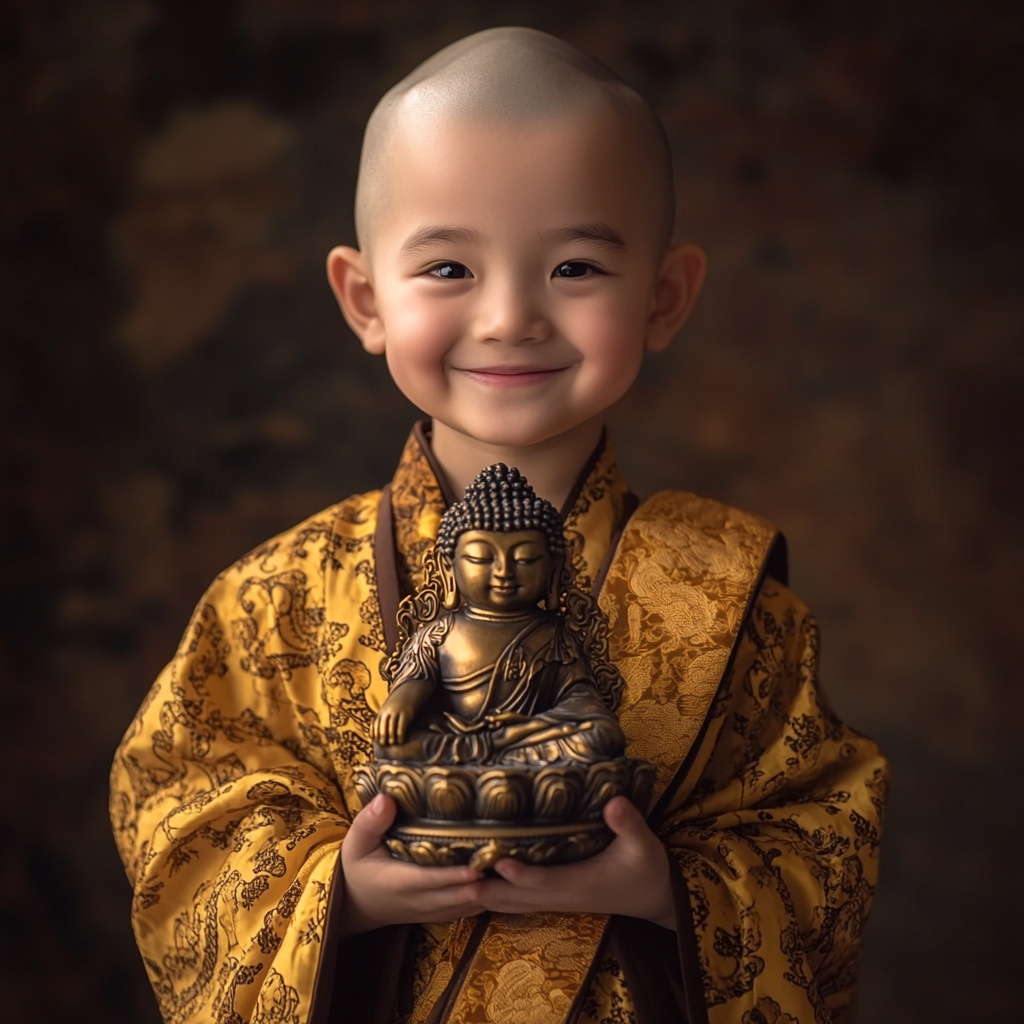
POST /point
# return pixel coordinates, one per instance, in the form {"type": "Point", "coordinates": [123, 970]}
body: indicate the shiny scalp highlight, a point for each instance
{"type": "Point", "coordinates": [512, 76]}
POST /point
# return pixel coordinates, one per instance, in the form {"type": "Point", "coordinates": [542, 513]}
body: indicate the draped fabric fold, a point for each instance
{"type": "Point", "coordinates": [232, 790]}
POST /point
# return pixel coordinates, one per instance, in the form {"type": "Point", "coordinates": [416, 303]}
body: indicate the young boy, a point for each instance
{"type": "Point", "coordinates": [514, 214]}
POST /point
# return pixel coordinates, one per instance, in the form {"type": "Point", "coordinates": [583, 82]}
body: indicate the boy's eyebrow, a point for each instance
{"type": "Point", "coordinates": [427, 236]}
{"type": "Point", "coordinates": [603, 234]}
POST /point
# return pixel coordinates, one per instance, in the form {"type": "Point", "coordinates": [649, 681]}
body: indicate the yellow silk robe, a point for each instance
{"type": "Point", "coordinates": [232, 790]}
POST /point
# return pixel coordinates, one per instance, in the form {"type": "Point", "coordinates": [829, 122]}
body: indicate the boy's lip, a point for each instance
{"type": "Point", "coordinates": [510, 376]}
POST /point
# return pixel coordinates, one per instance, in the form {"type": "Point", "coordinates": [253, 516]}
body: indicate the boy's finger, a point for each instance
{"type": "Point", "coordinates": [506, 898]}
{"type": "Point", "coordinates": [464, 900]}
{"type": "Point", "coordinates": [412, 878]}
{"type": "Point", "coordinates": [525, 876]}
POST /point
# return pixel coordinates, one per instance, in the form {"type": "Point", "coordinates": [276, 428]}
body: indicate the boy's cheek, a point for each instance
{"type": "Point", "coordinates": [422, 382]}
{"type": "Point", "coordinates": [418, 341]}
{"type": "Point", "coordinates": [406, 305]}
{"type": "Point", "coordinates": [428, 328]}
{"type": "Point", "coordinates": [609, 331]}
{"type": "Point", "coordinates": [612, 347]}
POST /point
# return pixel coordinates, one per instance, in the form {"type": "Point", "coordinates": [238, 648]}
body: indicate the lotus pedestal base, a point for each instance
{"type": "Point", "coordinates": [478, 814]}
{"type": "Point", "coordinates": [481, 844]}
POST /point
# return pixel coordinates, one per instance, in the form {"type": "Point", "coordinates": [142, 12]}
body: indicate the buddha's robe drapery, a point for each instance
{"type": "Point", "coordinates": [540, 673]}
{"type": "Point", "coordinates": [232, 791]}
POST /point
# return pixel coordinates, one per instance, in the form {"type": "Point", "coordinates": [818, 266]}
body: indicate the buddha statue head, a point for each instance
{"type": "Point", "coordinates": [500, 549]}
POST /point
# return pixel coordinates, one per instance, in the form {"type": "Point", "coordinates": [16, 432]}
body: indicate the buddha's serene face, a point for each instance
{"type": "Point", "coordinates": [502, 571]}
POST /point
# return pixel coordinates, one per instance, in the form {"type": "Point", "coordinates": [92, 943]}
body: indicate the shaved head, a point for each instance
{"type": "Point", "coordinates": [515, 77]}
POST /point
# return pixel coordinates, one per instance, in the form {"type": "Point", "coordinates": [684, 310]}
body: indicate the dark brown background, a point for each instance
{"type": "Point", "coordinates": [177, 386]}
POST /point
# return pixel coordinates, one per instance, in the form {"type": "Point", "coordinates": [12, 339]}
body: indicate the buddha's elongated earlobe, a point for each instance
{"type": "Point", "coordinates": [450, 591]}
{"type": "Point", "coordinates": [551, 600]}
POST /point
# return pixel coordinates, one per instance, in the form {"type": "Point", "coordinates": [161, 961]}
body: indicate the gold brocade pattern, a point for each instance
{"type": "Point", "coordinates": [417, 505]}
{"type": "Point", "coordinates": [232, 789]}
{"type": "Point", "coordinates": [607, 1000]}
{"type": "Point", "coordinates": [594, 516]}
{"type": "Point", "coordinates": [778, 832]}
{"type": "Point", "coordinates": [675, 599]}
{"type": "Point", "coordinates": [438, 953]}
{"type": "Point", "coordinates": [528, 969]}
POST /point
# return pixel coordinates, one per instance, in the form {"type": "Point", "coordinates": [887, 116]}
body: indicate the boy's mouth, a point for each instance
{"type": "Point", "coordinates": [510, 376]}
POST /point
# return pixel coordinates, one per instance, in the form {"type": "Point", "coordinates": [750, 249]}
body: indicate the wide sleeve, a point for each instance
{"type": "Point", "coordinates": [226, 801]}
{"type": "Point", "coordinates": [776, 832]}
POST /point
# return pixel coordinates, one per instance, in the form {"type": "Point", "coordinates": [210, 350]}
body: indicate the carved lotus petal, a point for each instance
{"type": "Point", "coordinates": [489, 855]}
{"type": "Point", "coordinates": [432, 854]}
{"type": "Point", "coordinates": [557, 793]}
{"type": "Point", "coordinates": [449, 794]}
{"type": "Point", "coordinates": [642, 784]}
{"type": "Point", "coordinates": [365, 787]}
{"type": "Point", "coordinates": [583, 845]}
{"type": "Point", "coordinates": [398, 849]}
{"type": "Point", "coordinates": [503, 796]}
{"type": "Point", "coordinates": [605, 780]}
{"type": "Point", "coordinates": [403, 786]}
{"type": "Point", "coordinates": [540, 851]}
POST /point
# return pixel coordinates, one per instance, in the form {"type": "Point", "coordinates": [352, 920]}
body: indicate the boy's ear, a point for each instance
{"type": "Point", "coordinates": [680, 279]}
{"type": "Point", "coordinates": [352, 285]}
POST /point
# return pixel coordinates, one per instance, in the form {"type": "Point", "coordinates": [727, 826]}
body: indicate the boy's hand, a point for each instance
{"type": "Point", "coordinates": [630, 877]}
{"type": "Point", "coordinates": [381, 890]}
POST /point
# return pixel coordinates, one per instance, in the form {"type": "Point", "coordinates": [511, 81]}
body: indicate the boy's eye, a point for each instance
{"type": "Point", "coordinates": [450, 271]}
{"type": "Point", "coordinates": [573, 269]}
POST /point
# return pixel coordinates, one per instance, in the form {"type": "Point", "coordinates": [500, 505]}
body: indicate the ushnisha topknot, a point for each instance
{"type": "Point", "coordinates": [511, 75]}
{"type": "Point", "coordinates": [501, 500]}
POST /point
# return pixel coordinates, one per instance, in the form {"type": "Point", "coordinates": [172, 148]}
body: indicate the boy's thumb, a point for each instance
{"type": "Point", "coordinates": [622, 817]}
{"type": "Point", "coordinates": [369, 826]}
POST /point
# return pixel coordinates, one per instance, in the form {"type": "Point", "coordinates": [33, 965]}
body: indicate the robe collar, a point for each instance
{"type": "Point", "coordinates": [594, 513]}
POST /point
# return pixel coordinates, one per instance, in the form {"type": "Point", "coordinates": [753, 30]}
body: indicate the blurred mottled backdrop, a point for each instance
{"type": "Point", "coordinates": [176, 385]}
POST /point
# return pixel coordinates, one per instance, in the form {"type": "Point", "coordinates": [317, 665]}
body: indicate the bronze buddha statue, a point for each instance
{"type": "Point", "coordinates": [499, 736]}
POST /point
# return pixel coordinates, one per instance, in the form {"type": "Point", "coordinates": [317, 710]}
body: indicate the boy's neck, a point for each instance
{"type": "Point", "coordinates": [551, 466]}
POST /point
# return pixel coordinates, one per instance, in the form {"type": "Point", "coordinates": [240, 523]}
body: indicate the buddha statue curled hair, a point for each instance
{"type": "Point", "coordinates": [500, 499]}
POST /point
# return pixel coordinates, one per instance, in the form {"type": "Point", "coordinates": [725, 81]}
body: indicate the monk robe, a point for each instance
{"type": "Point", "coordinates": [232, 791]}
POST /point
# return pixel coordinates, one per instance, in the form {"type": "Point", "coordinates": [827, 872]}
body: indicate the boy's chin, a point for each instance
{"type": "Point", "coordinates": [511, 431]}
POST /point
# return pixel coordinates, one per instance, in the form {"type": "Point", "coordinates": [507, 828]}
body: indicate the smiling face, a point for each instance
{"type": "Point", "coordinates": [502, 572]}
{"type": "Point", "coordinates": [512, 276]}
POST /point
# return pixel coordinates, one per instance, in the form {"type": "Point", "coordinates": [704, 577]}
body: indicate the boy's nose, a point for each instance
{"type": "Point", "coordinates": [509, 314]}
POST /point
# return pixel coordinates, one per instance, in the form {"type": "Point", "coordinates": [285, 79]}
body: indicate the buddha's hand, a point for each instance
{"type": "Point", "coordinates": [506, 718]}
{"type": "Point", "coordinates": [534, 730]}
{"type": "Point", "coordinates": [397, 713]}
{"type": "Point", "coordinates": [631, 877]}
{"type": "Point", "coordinates": [380, 890]}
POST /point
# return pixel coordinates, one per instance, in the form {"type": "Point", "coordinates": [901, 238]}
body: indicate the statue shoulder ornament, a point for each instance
{"type": "Point", "coordinates": [499, 736]}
